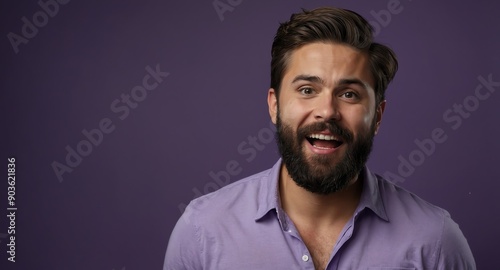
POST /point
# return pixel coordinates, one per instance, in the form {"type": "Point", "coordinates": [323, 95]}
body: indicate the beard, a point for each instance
{"type": "Point", "coordinates": [318, 173]}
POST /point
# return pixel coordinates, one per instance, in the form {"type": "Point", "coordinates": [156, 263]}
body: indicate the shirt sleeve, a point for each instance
{"type": "Point", "coordinates": [454, 251]}
{"type": "Point", "coordinates": [184, 247]}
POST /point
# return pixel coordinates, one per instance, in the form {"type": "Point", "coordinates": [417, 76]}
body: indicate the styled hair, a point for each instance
{"type": "Point", "coordinates": [333, 25]}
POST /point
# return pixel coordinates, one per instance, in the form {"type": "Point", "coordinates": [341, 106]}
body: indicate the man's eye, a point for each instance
{"type": "Point", "coordinates": [349, 95]}
{"type": "Point", "coordinates": [306, 91]}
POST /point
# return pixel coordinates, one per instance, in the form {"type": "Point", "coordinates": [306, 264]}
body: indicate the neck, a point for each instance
{"type": "Point", "coordinates": [317, 209]}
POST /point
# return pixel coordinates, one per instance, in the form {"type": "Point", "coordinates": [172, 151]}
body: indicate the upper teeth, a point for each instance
{"type": "Point", "coordinates": [322, 137]}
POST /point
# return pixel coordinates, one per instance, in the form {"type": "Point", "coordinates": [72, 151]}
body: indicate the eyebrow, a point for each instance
{"type": "Point", "coordinates": [346, 81]}
{"type": "Point", "coordinates": [359, 82]}
{"type": "Point", "coordinates": [309, 78]}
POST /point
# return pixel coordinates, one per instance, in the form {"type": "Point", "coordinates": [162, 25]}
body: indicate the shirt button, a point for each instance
{"type": "Point", "coordinates": [305, 258]}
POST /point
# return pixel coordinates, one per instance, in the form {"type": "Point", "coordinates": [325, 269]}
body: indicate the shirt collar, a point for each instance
{"type": "Point", "coordinates": [268, 198]}
{"type": "Point", "coordinates": [370, 196]}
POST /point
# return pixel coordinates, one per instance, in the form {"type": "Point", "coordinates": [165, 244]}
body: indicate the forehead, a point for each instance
{"type": "Point", "coordinates": [331, 62]}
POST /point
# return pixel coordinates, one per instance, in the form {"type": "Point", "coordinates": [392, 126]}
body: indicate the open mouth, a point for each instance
{"type": "Point", "coordinates": [322, 141]}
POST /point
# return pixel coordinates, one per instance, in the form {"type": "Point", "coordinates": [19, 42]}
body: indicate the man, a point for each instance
{"type": "Point", "coordinates": [319, 207]}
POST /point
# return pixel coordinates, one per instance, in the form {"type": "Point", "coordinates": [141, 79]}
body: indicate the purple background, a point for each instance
{"type": "Point", "coordinates": [118, 207]}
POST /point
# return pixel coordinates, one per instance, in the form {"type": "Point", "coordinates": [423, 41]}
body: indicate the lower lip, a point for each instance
{"type": "Point", "coordinates": [322, 151]}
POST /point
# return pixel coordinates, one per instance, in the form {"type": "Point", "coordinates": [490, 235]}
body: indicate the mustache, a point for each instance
{"type": "Point", "coordinates": [331, 126]}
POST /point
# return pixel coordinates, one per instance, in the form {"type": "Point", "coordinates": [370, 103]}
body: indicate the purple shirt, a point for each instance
{"type": "Point", "coordinates": [242, 226]}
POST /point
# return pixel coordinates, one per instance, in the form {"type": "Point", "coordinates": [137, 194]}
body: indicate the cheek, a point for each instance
{"type": "Point", "coordinates": [360, 120]}
{"type": "Point", "coordinates": [368, 119]}
{"type": "Point", "coordinates": [293, 112]}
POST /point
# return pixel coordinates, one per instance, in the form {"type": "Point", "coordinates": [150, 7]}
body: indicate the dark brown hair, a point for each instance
{"type": "Point", "coordinates": [332, 25]}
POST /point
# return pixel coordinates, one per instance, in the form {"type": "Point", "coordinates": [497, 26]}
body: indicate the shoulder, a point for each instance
{"type": "Point", "coordinates": [239, 199]}
{"type": "Point", "coordinates": [454, 251]}
{"type": "Point", "coordinates": [244, 193]}
{"type": "Point", "coordinates": [400, 203]}
{"type": "Point", "coordinates": [428, 224]}
{"type": "Point", "coordinates": [209, 217]}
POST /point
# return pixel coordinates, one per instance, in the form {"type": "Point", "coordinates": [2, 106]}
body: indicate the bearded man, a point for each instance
{"type": "Point", "coordinates": [319, 207]}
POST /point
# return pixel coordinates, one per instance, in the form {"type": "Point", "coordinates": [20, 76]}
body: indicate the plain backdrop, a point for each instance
{"type": "Point", "coordinates": [115, 205]}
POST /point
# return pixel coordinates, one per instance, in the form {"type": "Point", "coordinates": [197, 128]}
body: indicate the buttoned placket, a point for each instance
{"type": "Point", "coordinates": [301, 253]}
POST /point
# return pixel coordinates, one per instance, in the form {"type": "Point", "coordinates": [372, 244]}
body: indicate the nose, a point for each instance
{"type": "Point", "coordinates": [326, 108]}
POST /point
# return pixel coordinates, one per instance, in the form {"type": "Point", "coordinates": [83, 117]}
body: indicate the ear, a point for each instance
{"type": "Point", "coordinates": [378, 115]}
{"type": "Point", "coordinates": [272, 103]}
